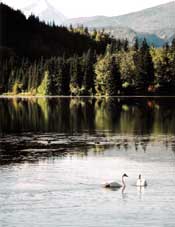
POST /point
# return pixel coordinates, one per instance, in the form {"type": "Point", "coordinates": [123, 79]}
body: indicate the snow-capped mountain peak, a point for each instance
{"type": "Point", "coordinates": [45, 11]}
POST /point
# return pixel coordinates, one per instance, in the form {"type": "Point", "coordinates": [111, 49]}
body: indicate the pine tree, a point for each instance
{"type": "Point", "coordinates": [52, 77]}
{"type": "Point", "coordinates": [66, 78]}
{"type": "Point", "coordinates": [173, 45]}
{"type": "Point", "coordinates": [144, 68]}
{"type": "Point", "coordinates": [164, 78]}
{"type": "Point", "coordinates": [126, 45]}
{"type": "Point", "coordinates": [24, 77]}
{"type": "Point", "coordinates": [144, 47]}
{"type": "Point", "coordinates": [118, 45]}
{"type": "Point", "coordinates": [88, 79]}
{"type": "Point", "coordinates": [76, 75]}
{"type": "Point", "coordinates": [113, 80]}
{"type": "Point", "coordinates": [136, 44]}
{"type": "Point", "coordinates": [166, 46]}
{"type": "Point", "coordinates": [63, 77]}
{"type": "Point", "coordinates": [57, 77]}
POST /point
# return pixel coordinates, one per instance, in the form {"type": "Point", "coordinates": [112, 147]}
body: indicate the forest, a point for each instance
{"type": "Point", "coordinates": [37, 58]}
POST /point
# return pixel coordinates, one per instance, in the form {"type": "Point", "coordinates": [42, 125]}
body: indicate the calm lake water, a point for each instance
{"type": "Point", "coordinates": [55, 154]}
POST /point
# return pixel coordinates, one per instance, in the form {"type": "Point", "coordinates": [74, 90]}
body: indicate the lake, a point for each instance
{"type": "Point", "coordinates": [56, 154]}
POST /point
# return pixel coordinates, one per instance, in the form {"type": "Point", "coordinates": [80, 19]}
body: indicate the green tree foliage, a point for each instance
{"type": "Point", "coordinates": [108, 78]}
{"type": "Point", "coordinates": [164, 64]}
{"type": "Point", "coordinates": [136, 45]}
{"type": "Point", "coordinates": [37, 58]}
{"type": "Point", "coordinates": [32, 38]}
{"type": "Point", "coordinates": [113, 82]}
{"type": "Point", "coordinates": [173, 45]}
{"type": "Point", "coordinates": [144, 68]}
{"type": "Point", "coordinates": [101, 69]}
{"type": "Point", "coordinates": [127, 70]}
{"type": "Point", "coordinates": [89, 74]}
{"type": "Point", "coordinates": [76, 75]}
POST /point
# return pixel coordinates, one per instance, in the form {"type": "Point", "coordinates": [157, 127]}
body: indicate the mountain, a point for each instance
{"type": "Point", "coordinates": [148, 20]}
{"type": "Point", "coordinates": [157, 24]}
{"type": "Point", "coordinates": [129, 34]}
{"type": "Point", "coordinates": [45, 11]}
{"type": "Point", "coordinates": [121, 33]}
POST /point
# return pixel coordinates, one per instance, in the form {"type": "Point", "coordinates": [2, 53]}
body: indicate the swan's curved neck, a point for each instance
{"type": "Point", "coordinates": [123, 182]}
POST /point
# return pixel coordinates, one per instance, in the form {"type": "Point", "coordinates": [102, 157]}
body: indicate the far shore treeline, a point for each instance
{"type": "Point", "coordinates": [44, 59]}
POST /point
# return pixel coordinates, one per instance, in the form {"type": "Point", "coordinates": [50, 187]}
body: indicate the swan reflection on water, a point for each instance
{"type": "Point", "coordinates": [120, 189]}
{"type": "Point", "coordinates": [140, 192]}
{"type": "Point", "coordinates": [124, 194]}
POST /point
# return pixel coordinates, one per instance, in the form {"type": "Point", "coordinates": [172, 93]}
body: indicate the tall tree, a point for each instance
{"type": "Point", "coordinates": [144, 68]}
{"type": "Point", "coordinates": [89, 75]}
{"type": "Point", "coordinates": [136, 44]}
{"type": "Point", "coordinates": [76, 74]}
{"type": "Point", "coordinates": [113, 80]}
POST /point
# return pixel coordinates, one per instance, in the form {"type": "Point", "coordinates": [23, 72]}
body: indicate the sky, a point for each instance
{"type": "Point", "coordinates": [81, 8]}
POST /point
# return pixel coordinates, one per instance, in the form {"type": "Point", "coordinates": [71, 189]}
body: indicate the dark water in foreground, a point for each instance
{"type": "Point", "coordinates": [55, 154]}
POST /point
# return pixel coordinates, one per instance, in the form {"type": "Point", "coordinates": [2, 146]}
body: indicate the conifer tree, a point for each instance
{"type": "Point", "coordinates": [125, 45]}
{"type": "Point", "coordinates": [88, 79]}
{"type": "Point", "coordinates": [66, 77]}
{"type": "Point", "coordinates": [113, 82]}
{"type": "Point", "coordinates": [136, 44]}
{"type": "Point", "coordinates": [164, 78]}
{"type": "Point", "coordinates": [173, 45]}
{"type": "Point", "coordinates": [75, 74]}
{"type": "Point", "coordinates": [144, 68]}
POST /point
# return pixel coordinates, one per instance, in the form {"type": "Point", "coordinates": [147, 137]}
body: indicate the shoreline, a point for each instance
{"type": "Point", "coordinates": [97, 97]}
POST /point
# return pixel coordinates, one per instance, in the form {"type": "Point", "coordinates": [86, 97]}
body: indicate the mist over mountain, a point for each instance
{"type": "Point", "coordinates": [45, 11]}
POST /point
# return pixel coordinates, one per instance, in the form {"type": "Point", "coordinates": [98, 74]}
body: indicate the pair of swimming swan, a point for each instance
{"type": "Point", "coordinates": [139, 183]}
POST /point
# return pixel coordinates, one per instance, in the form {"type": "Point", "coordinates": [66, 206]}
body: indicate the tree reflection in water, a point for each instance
{"type": "Point", "coordinates": [35, 127]}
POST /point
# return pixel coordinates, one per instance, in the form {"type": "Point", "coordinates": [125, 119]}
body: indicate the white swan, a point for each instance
{"type": "Point", "coordinates": [116, 184]}
{"type": "Point", "coordinates": [141, 182]}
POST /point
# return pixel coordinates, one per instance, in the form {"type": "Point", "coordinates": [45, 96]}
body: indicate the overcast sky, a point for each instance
{"type": "Point", "coordinates": [78, 8]}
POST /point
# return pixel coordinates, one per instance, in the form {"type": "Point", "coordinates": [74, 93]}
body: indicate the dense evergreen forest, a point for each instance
{"type": "Point", "coordinates": [43, 59]}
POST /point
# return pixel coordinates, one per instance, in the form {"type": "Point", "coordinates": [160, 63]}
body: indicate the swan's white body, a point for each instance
{"type": "Point", "coordinates": [116, 184]}
{"type": "Point", "coordinates": [141, 182]}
